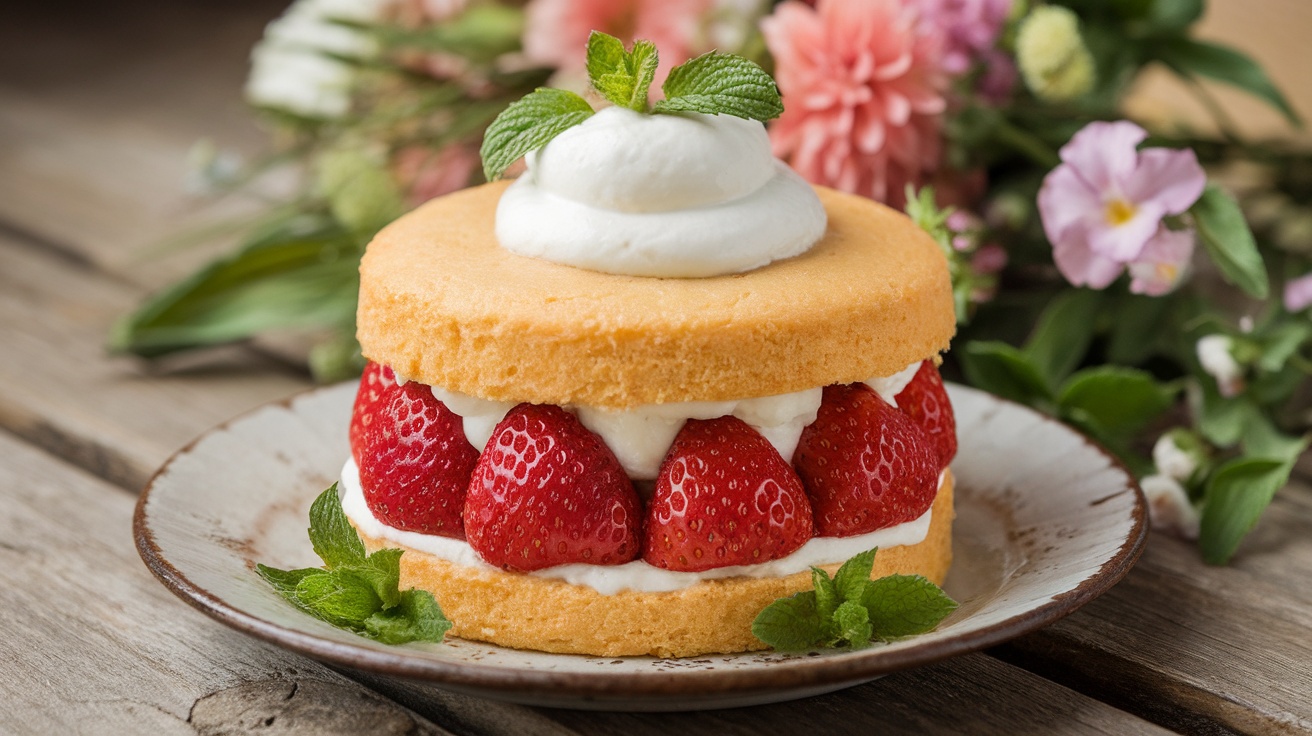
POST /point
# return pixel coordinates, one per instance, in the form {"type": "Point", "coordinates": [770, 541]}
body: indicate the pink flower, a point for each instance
{"type": "Point", "coordinates": [863, 89]}
{"type": "Point", "coordinates": [1102, 207]}
{"type": "Point", "coordinates": [970, 28]}
{"type": "Point", "coordinates": [425, 173]}
{"type": "Point", "coordinates": [1163, 262]}
{"type": "Point", "coordinates": [1298, 293]}
{"type": "Point", "coordinates": [556, 31]}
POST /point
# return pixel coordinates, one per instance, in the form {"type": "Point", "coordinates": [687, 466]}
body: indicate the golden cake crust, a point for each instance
{"type": "Point", "coordinates": [713, 616]}
{"type": "Point", "coordinates": [443, 304]}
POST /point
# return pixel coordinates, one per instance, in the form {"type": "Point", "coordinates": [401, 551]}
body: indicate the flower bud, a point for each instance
{"type": "Point", "coordinates": [1178, 453]}
{"type": "Point", "coordinates": [1053, 59]}
{"type": "Point", "coordinates": [1216, 356]}
{"type": "Point", "coordinates": [1169, 507]}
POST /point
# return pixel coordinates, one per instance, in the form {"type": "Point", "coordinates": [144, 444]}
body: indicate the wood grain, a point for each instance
{"type": "Point", "coordinates": [1199, 648]}
{"type": "Point", "coordinates": [113, 416]}
{"type": "Point", "coordinates": [93, 644]}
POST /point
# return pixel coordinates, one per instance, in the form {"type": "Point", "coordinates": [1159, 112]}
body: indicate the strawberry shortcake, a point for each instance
{"type": "Point", "coordinates": [622, 404]}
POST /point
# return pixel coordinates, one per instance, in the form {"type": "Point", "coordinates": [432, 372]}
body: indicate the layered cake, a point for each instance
{"type": "Point", "coordinates": [623, 403]}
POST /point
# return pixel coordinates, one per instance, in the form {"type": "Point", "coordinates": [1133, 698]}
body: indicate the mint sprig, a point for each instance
{"type": "Point", "coordinates": [721, 84]}
{"type": "Point", "coordinates": [529, 124]}
{"type": "Point", "coordinates": [622, 77]}
{"type": "Point", "coordinates": [850, 609]}
{"type": "Point", "coordinates": [358, 591]}
{"type": "Point", "coordinates": [712, 84]}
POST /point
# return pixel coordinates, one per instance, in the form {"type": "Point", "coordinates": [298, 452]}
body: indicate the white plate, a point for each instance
{"type": "Point", "coordinates": [1046, 521]}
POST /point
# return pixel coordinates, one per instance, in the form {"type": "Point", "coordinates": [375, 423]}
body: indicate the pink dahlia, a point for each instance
{"type": "Point", "coordinates": [556, 31]}
{"type": "Point", "coordinates": [862, 84]}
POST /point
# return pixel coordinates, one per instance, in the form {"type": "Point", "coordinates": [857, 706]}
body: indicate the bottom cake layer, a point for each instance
{"type": "Point", "coordinates": [714, 616]}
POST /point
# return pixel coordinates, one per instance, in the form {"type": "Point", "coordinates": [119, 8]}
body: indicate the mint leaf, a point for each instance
{"type": "Point", "coordinates": [852, 578]}
{"type": "Point", "coordinates": [339, 597]}
{"type": "Point", "coordinates": [826, 594]}
{"type": "Point", "coordinates": [417, 617]}
{"type": "Point", "coordinates": [622, 77]}
{"type": "Point", "coordinates": [792, 624]}
{"type": "Point", "coordinates": [903, 605]}
{"type": "Point", "coordinates": [285, 581]}
{"type": "Point", "coordinates": [721, 84]}
{"type": "Point", "coordinates": [1229, 242]}
{"type": "Point", "coordinates": [529, 124]}
{"type": "Point", "coordinates": [332, 535]}
{"type": "Point", "coordinates": [358, 592]}
{"type": "Point", "coordinates": [853, 624]}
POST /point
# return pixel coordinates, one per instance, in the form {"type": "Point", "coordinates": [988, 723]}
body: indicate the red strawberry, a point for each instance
{"type": "Point", "coordinates": [548, 492]}
{"type": "Point", "coordinates": [414, 459]}
{"type": "Point", "coordinates": [926, 402]}
{"type": "Point", "coordinates": [865, 465]}
{"type": "Point", "coordinates": [724, 497]}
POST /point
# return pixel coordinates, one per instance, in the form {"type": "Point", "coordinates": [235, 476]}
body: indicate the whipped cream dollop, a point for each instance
{"type": "Point", "coordinates": [637, 575]}
{"type": "Point", "coordinates": [676, 196]}
{"type": "Point", "coordinates": [640, 437]}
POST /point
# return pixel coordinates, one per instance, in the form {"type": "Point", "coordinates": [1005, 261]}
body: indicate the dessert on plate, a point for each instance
{"type": "Point", "coordinates": [621, 404]}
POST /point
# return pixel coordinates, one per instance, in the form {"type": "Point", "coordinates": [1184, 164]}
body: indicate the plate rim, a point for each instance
{"type": "Point", "coordinates": [803, 669]}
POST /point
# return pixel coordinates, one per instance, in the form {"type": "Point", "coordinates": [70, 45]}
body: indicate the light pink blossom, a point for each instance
{"type": "Point", "coordinates": [1163, 262]}
{"type": "Point", "coordinates": [1103, 205]}
{"type": "Point", "coordinates": [556, 31]}
{"type": "Point", "coordinates": [863, 86]}
{"type": "Point", "coordinates": [1298, 293]}
{"type": "Point", "coordinates": [969, 27]}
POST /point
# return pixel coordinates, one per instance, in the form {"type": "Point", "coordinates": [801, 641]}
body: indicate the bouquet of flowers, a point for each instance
{"type": "Point", "coordinates": [1126, 281]}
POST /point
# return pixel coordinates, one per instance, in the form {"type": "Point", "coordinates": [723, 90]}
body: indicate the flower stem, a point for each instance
{"type": "Point", "coordinates": [1026, 143]}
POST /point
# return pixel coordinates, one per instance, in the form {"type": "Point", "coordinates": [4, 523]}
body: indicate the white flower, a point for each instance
{"type": "Point", "coordinates": [1169, 506]}
{"type": "Point", "coordinates": [1215, 356]}
{"type": "Point", "coordinates": [1172, 460]}
{"type": "Point", "coordinates": [300, 65]}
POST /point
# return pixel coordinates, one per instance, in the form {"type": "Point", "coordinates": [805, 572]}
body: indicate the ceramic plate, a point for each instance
{"type": "Point", "coordinates": [1046, 521]}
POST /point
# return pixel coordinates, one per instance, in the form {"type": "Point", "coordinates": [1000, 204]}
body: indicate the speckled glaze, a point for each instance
{"type": "Point", "coordinates": [1046, 521]}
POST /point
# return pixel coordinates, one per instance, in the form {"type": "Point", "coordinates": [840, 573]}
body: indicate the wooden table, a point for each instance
{"type": "Point", "coordinates": [98, 106]}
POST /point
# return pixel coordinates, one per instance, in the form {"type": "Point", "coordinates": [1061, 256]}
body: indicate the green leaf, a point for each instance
{"type": "Point", "coordinates": [1282, 343]}
{"type": "Point", "coordinates": [1189, 56]}
{"type": "Point", "coordinates": [285, 581]}
{"type": "Point", "coordinates": [1120, 400]}
{"type": "Point", "coordinates": [792, 624]}
{"type": "Point", "coordinates": [852, 621]}
{"type": "Point", "coordinates": [826, 593]}
{"type": "Point", "coordinates": [334, 539]}
{"type": "Point", "coordinates": [1235, 498]}
{"type": "Point", "coordinates": [852, 577]}
{"type": "Point", "coordinates": [1173, 16]}
{"type": "Point", "coordinates": [529, 124]}
{"type": "Point", "coordinates": [721, 84]}
{"type": "Point", "coordinates": [340, 598]}
{"type": "Point", "coordinates": [1003, 370]}
{"type": "Point", "coordinates": [904, 605]}
{"type": "Point", "coordinates": [622, 77]}
{"type": "Point", "coordinates": [300, 272]}
{"type": "Point", "coordinates": [1063, 333]}
{"type": "Point", "coordinates": [1223, 420]}
{"type": "Point", "coordinates": [382, 570]}
{"type": "Point", "coordinates": [1229, 242]}
{"type": "Point", "coordinates": [417, 617]}
{"type": "Point", "coordinates": [1138, 323]}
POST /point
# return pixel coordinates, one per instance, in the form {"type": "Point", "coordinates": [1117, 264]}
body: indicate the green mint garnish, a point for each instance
{"type": "Point", "coordinates": [357, 591]}
{"type": "Point", "coordinates": [850, 609]}
{"type": "Point", "coordinates": [721, 84]}
{"type": "Point", "coordinates": [713, 84]}
{"type": "Point", "coordinates": [529, 124]}
{"type": "Point", "coordinates": [622, 77]}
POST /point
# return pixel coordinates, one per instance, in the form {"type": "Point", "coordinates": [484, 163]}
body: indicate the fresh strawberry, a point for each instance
{"type": "Point", "coordinates": [549, 492]}
{"type": "Point", "coordinates": [414, 459]}
{"type": "Point", "coordinates": [926, 402]}
{"type": "Point", "coordinates": [724, 497]}
{"type": "Point", "coordinates": [865, 465]}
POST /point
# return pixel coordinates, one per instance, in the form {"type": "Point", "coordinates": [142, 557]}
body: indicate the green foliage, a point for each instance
{"type": "Point", "coordinates": [721, 84]}
{"type": "Point", "coordinates": [1225, 233]}
{"type": "Point", "coordinates": [357, 590]}
{"type": "Point", "coordinates": [1189, 57]}
{"type": "Point", "coordinates": [851, 609]}
{"type": "Point", "coordinates": [529, 124]}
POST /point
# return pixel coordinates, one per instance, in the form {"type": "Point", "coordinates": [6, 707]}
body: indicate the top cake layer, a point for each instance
{"type": "Point", "coordinates": [442, 303]}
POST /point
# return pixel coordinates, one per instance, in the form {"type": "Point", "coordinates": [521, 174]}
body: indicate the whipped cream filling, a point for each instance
{"type": "Point", "coordinates": [641, 437]}
{"type": "Point", "coordinates": [674, 196]}
{"type": "Point", "coordinates": [637, 575]}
